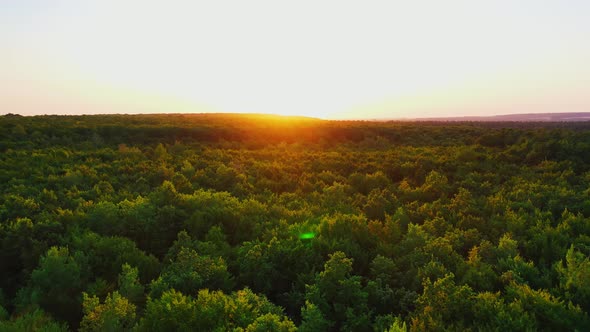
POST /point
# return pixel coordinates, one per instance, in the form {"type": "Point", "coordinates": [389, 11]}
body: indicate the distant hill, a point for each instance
{"type": "Point", "coordinates": [527, 117]}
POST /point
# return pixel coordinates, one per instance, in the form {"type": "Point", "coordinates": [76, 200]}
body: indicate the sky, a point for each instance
{"type": "Point", "coordinates": [327, 59]}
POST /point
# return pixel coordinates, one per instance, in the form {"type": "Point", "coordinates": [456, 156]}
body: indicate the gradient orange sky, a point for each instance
{"type": "Point", "coordinates": [327, 59]}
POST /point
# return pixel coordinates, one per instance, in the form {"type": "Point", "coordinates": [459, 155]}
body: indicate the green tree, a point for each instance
{"type": "Point", "coordinates": [339, 295]}
{"type": "Point", "coordinates": [56, 285]}
{"type": "Point", "coordinates": [213, 311]}
{"type": "Point", "coordinates": [36, 320]}
{"type": "Point", "coordinates": [129, 285]}
{"type": "Point", "coordinates": [442, 305]}
{"type": "Point", "coordinates": [173, 311]}
{"type": "Point", "coordinates": [549, 312]}
{"type": "Point", "coordinates": [493, 313]}
{"type": "Point", "coordinates": [271, 322]}
{"type": "Point", "coordinates": [115, 314]}
{"type": "Point", "coordinates": [313, 319]}
{"type": "Point", "coordinates": [160, 153]}
{"type": "Point", "coordinates": [574, 275]}
{"type": "Point", "coordinates": [190, 272]}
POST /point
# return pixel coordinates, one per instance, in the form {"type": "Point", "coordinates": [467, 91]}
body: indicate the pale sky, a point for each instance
{"type": "Point", "coordinates": [327, 59]}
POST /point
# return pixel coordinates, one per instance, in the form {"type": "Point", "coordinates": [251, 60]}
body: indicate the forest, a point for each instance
{"type": "Point", "coordinates": [226, 222]}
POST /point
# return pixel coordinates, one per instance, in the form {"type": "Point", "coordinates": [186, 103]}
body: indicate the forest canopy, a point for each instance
{"type": "Point", "coordinates": [267, 223]}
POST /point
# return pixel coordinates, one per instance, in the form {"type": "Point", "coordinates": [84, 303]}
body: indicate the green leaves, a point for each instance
{"type": "Point", "coordinates": [189, 272]}
{"type": "Point", "coordinates": [443, 304]}
{"type": "Point", "coordinates": [574, 278]}
{"type": "Point", "coordinates": [213, 311]}
{"type": "Point", "coordinates": [36, 320]}
{"type": "Point", "coordinates": [56, 285]}
{"type": "Point", "coordinates": [338, 295]}
{"type": "Point", "coordinates": [115, 314]}
{"type": "Point", "coordinates": [129, 285]}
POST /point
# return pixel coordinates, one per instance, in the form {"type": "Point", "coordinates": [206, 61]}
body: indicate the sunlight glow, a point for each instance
{"type": "Point", "coordinates": [322, 59]}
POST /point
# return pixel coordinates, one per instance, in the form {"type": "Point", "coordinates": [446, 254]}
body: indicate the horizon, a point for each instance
{"type": "Point", "coordinates": [513, 117]}
{"type": "Point", "coordinates": [384, 60]}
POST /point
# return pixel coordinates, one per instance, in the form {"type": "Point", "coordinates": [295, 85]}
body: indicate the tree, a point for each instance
{"type": "Point", "coordinates": [574, 278]}
{"type": "Point", "coordinates": [56, 285]}
{"type": "Point", "coordinates": [398, 325]}
{"type": "Point", "coordinates": [271, 322]}
{"type": "Point", "coordinates": [339, 295]}
{"type": "Point", "coordinates": [213, 311]}
{"type": "Point", "coordinates": [190, 272]}
{"type": "Point", "coordinates": [549, 312]}
{"type": "Point", "coordinates": [36, 320]}
{"type": "Point", "coordinates": [493, 313]}
{"type": "Point", "coordinates": [160, 153]}
{"type": "Point", "coordinates": [313, 319]}
{"type": "Point", "coordinates": [443, 304]}
{"type": "Point", "coordinates": [115, 314]}
{"type": "Point", "coordinates": [172, 311]}
{"type": "Point", "coordinates": [129, 285]}
{"type": "Point", "coordinates": [106, 255]}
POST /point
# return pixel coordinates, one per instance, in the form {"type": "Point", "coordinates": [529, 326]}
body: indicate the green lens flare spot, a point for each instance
{"type": "Point", "coordinates": [307, 236]}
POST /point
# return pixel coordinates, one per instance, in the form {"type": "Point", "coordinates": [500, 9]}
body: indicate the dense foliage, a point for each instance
{"type": "Point", "coordinates": [260, 223]}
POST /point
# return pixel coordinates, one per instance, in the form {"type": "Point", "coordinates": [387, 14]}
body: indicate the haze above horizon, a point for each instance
{"type": "Point", "coordinates": [326, 59]}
